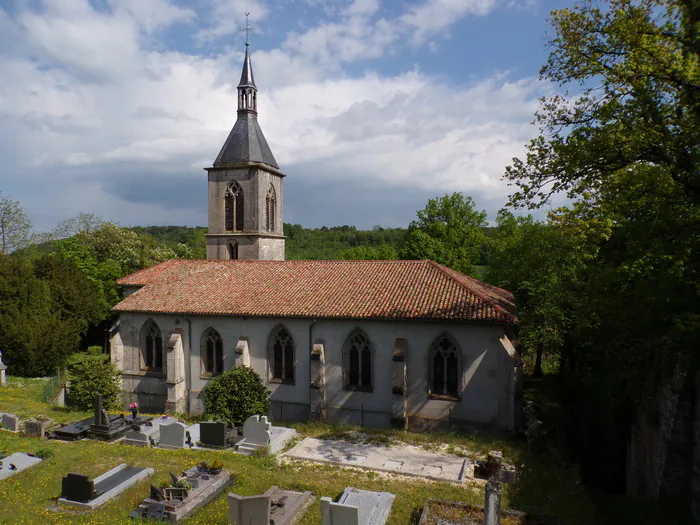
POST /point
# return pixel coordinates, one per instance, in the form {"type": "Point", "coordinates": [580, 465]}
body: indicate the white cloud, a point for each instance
{"type": "Point", "coordinates": [433, 16]}
{"type": "Point", "coordinates": [125, 145]}
{"type": "Point", "coordinates": [227, 17]}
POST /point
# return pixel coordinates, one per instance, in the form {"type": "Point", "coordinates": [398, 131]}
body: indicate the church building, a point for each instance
{"type": "Point", "coordinates": [372, 343]}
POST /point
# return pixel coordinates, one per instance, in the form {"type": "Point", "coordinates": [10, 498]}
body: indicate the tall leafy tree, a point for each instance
{"type": "Point", "coordinates": [625, 147]}
{"type": "Point", "coordinates": [449, 230]}
{"type": "Point", "coordinates": [534, 260]}
{"type": "Point", "coordinates": [15, 227]}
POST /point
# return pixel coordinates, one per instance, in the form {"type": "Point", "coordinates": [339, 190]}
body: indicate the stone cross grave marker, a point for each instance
{"type": "Point", "coordinates": [495, 473]}
{"type": "Point", "coordinates": [3, 368]}
{"type": "Point", "coordinates": [256, 430]}
{"type": "Point", "coordinates": [77, 487]}
{"type": "Point", "coordinates": [101, 417]}
{"type": "Point", "coordinates": [173, 436]}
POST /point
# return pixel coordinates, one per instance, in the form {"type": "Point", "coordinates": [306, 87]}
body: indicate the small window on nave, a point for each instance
{"type": "Point", "coordinates": [151, 345]}
{"type": "Point", "coordinates": [357, 362]}
{"type": "Point", "coordinates": [212, 353]}
{"type": "Point", "coordinates": [281, 356]}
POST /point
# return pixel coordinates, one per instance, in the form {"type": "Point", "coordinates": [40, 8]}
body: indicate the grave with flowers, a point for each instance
{"type": "Point", "coordinates": [185, 494]}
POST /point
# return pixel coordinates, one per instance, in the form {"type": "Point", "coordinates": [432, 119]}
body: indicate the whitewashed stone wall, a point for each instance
{"type": "Point", "coordinates": [489, 368]}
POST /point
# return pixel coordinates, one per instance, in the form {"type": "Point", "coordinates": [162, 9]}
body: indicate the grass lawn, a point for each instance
{"type": "Point", "coordinates": [543, 486]}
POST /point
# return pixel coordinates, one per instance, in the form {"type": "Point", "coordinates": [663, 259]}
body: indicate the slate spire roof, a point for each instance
{"type": "Point", "coordinates": [246, 142]}
{"type": "Point", "coordinates": [399, 290]}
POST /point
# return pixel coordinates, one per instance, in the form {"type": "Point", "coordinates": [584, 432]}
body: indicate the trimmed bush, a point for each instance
{"type": "Point", "coordinates": [92, 373]}
{"type": "Point", "coordinates": [236, 395]}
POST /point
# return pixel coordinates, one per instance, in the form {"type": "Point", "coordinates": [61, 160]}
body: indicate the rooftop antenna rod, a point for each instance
{"type": "Point", "coordinates": [247, 28]}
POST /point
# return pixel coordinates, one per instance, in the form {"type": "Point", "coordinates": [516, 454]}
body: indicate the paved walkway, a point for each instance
{"type": "Point", "coordinates": [407, 459]}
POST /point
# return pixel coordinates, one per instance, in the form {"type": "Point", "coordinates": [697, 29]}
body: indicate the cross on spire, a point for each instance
{"type": "Point", "coordinates": [247, 28]}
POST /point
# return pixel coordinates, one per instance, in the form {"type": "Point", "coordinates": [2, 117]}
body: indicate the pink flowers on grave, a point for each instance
{"type": "Point", "coordinates": [134, 406]}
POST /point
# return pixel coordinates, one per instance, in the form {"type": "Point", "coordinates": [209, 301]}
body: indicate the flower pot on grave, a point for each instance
{"type": "Point", "coordinates": [134, 413]}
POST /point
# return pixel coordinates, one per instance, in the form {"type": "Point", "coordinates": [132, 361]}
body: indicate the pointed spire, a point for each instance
{"type": "Point", "coordinates": [247, 79]}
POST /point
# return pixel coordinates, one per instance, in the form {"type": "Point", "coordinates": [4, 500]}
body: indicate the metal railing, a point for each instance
{"type": "Point", "coordinates": [54, 384]}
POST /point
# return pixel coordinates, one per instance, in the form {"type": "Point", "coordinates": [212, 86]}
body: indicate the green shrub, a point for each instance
{"type": "Point", "coordinates": [44, 453]}
{"type": "Point", "coordinates": [236, 395]}
{"type": "Point", "coordinates": [91, 374]}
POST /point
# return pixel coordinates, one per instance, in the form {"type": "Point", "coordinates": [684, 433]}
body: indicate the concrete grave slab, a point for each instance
{"type": "Point", "coordinates": [357, 507]}
{"type": "Point", "coordinates": [15, 463]}
{"type": "Point", "coordinates": [279, 437]}
{"type": "Point", "coordinates": [275, 507]}
{"type": "Point", "coordinates": [10, 422]}
{"type": "Point", "coordinates": [35, 429]}
{"type": "Point", "coordinates": [407, 460]}
{"type": "Point", "coordinates": [206, 486]}
{"type": "Point", "coordinates": [148, 433]}
{"type": "Point", "coordinates": [107, 486]}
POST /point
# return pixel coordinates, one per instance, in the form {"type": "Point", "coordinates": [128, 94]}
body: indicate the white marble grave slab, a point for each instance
{"type": "Point", "coordinates": [20, 460]}
{"type": "Point", "coordinates": [357, 507]}
{"type": "Point", "coordinates": [408, 460]}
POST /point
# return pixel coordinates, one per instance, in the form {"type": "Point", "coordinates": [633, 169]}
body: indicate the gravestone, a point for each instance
{"type": "Point", "coordinates": [17, 462]}
{"type": "Point", "coordinates": [213, 434]}
{"type": "Point", "coordinates": [35, 429]}
{"type": "Point", "coordinates": [256, 434]}
{"type": "Point", "coordinates": [275, 507]}
{"type": "Point", "coordinates": [496, 473]}
{"type": "Point", "coordinates": [10, 422]}
{"type": "Point", "coordinates": [73, 431]}
{"type": "Point", "coordinates": [79, 491]}
{"type": "Point", "coordinates": [357, 507]}
{"type": "Point", "coordinates": [173, 436]}
{"type": "Point", "coordinates": [3, 369]}
{"type": "Point", "coordinates": [109, 428]}
{"type": "Point", "coordinates": [173, 504]}
{"type": "Point", "coordinates": [77, 487]}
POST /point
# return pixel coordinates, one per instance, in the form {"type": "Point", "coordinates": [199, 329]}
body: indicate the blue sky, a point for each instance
{"type": "Point", "coordinates": [371, 107]}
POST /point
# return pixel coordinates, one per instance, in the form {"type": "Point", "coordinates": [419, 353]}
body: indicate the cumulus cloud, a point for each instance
{"type": "Point", "coordinates": [93, 118]}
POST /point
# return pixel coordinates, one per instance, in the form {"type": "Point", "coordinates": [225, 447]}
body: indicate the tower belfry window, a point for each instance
{"type": "Point", "coordinates": [233, 208]}
{"type": "Point", "coordinates": [270, 208]}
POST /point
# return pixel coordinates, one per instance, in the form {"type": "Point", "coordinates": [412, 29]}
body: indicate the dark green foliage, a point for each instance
{"type": "Point", "coordinates": [46, 306]}
{"type": "Point", "coordinates": [450, 231]}
{"type": "Point", "coordinates": [44, 453]}
{"type": "Point", "coordinates": [367, 253]}
{"type": "Point", "coordinates": [328, 243]}
{"type": "Point", "coordinates": [92, 373]}
{"type": "Point", "coordinates": [236, 395]}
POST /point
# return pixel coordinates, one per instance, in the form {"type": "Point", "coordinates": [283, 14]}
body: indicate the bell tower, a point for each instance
{"type": "Point", "coordinates": [245, 186]}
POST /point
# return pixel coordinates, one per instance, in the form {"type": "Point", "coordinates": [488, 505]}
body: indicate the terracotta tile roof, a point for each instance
{"type": "Point", "coordinates": [324, 289]}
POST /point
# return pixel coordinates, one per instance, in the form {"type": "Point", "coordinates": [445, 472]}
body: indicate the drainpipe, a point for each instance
{"type": "Point", "coordinates": [311, 341]}
{"type": "Point", "coordinates": [188, 386]}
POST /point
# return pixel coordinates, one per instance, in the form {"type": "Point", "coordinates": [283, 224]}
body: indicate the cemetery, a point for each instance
{"type": "Point", "coordinates": [167, 474]}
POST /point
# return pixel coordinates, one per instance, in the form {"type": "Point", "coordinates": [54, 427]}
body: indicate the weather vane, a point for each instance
{"type": "Point", "coordinates": [247, 28]}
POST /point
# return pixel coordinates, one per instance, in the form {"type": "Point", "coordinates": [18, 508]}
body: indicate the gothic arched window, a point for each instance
{"type": "Point", "coordinates": [445, 368]}
{"type": "Point", "coordinates": [233, 208]}
{"type": "Point", "coordinates": [212, 353]}
{"type": "Point", "coordinates": [357, 362]}
{"type": "Point", "coordinates": [281, 356]}
{"type": "Point", "coordinates": [151, 344]}
{"type": "Point", "coordinates": [270, 207]}
{"type": "Point", "coordinates": [233, 251]}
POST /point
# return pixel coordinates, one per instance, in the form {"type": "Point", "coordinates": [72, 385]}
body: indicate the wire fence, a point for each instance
{"type": "Point", "coordinates": [54, 384]}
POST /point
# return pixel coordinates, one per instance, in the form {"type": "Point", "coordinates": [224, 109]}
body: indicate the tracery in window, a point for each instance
{"type": "Point", "coordinates": [233, 208]}
{"type": "Point", "coordinates": [357, 353]}
{"type": "Point", "coordinates": [151, 343]}
{"type": "Point", "coordinates": [281, 355]}
{"type": "Point", "coordinates": [445, 367]}
{"type": "Point", "coordinates": [270, 208]}
{"type": "Point", "coordinates": [212, 353]}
